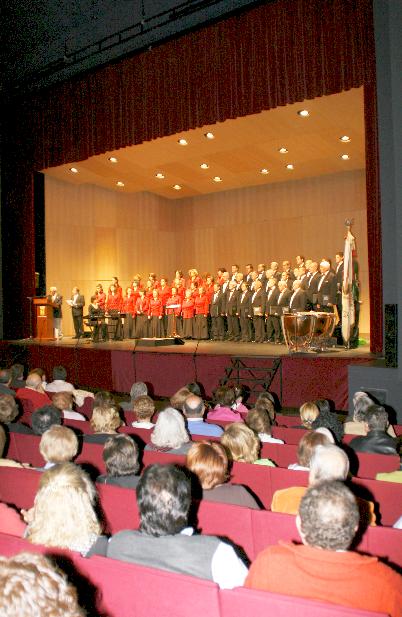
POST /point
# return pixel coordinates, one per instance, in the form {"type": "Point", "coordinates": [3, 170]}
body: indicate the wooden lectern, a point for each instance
{"type": "Point", "coordinates": [43, 319]}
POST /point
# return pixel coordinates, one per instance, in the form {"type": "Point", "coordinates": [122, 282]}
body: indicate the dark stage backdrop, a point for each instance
{"type": "Point", "coordinates": [275, 54]}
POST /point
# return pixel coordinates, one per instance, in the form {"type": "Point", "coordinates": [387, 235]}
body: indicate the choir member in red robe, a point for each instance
{"type": "Point", "coordinates": [115, 282]}
{"type": "Point", "coordinates": [181, 290]}
{"type": "Point", "coordinates": [173, 312]}
{"type": "Point", "coordinates": [179, 279]}
{"type": "Point", "coordinates": [129, 313]}
{"type": "Point", "coordinates": [155, 314]}
{"type": "Point", "coordinates": [201, 306]}
{"type": "Point", "coordinates": [149, 288]}
{"type": "Point", "coordinates": [209, 287]}
{"type": "Point", "coordinates": [187, 310]}
{"type": "Point", "coordinates": [114, 304]}
{"type": "Point", "coordinates": [141, 318]}
{"type": "Point", "coordinates": [135, 286]}
{"type": "Point", "coordinates": [194, 289]}
{"type": "Point", "coordinates": [101, 296]}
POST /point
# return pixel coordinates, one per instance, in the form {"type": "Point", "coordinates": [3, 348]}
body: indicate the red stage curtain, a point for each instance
{"type": "Point", "coordinates": [275, 54]}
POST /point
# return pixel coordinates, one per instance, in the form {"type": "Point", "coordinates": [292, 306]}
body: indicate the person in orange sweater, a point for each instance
{"type": "Point", "coordinates": [323, 568]}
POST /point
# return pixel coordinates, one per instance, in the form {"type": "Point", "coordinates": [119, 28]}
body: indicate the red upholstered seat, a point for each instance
{"type": "Point", "coordinates": [288, 435]}
{"type": "Point", "coordinates": [372, 464]}
{"type": "Point", "coordinates": [290, 421]}
{"type": "Point", "coordinates": [257, 478]}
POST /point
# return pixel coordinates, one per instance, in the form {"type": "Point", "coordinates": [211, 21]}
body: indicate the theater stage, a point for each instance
{"type": "Point", "coordinates": [116, 365]}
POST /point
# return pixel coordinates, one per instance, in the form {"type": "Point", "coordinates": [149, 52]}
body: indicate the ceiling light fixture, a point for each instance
{"type": "Point", "coordinates": [74, 170]}
{"type": "Point", "coordinates": [290, 166]}
{"type": "Point", "coordinates": [209, 135]}
{"type": "Point", "coordinates": [264, 171]}
{"type": "Point", "coordinates": [345, 139]}
{"type": "Point", "coordinates": [283, 150]}
{"type": "Point", "coordinates": [217, 179]}
{"type": "Point", "coordinates": [182, 141]}
{"type": "Point", "coordinates": [204, 166]}
{"type": "Point", "coordinates": [119, 183]}
{"type": "Point", "coordinates": [112, 159]}
{"type": "Point", "coordinates": [159, 175]}
{"type": "Point", "coordinates": [345, 157]}
{"type": "Point", "coordinates": [304, 113]}
{"type": "Point", "coordinates": [177, 187]}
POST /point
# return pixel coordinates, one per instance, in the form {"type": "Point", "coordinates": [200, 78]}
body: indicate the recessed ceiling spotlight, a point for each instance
{"type": "Point", "coordinates": [159, 175]}
{"type": "Point", "coordinates": [177, 187]}
{"type": "Point", "coordinates": [209, 135]}
{"type": "Point", "coordinates": [204, 166]}
{"type": "Point", "coordinates": [74, 170]}
{"type": "Point", "coordinates": [112, 159]}
{"type": "Point", "coordinates": [304, 113]}
{"type": "Point", "coordinates": [283, 150]}
{"type": "Point", "coordinates": [217, 179]}
{"type": "Point", "coordinates": [182, 141]}
{"type": "Point", "coordinates": [264, 171]}
{"type": "Point", "coordinates": [290, 166]}
{"type": "Point", "coordinates": [119, 183]}
{"type": "Point", "coordinates": [345, 139]}
{"type": "Point", "coordinates": [345, 157]}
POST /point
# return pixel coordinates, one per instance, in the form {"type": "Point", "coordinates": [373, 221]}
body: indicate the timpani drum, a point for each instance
{"type": "Point", "coordinates": [298, 330]}
{"type": "Point", "coordinates": [323, 330]}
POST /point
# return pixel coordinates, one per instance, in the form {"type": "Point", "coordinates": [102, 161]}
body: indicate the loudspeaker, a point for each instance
{"type": "Point", "coordinates": [391, 335]}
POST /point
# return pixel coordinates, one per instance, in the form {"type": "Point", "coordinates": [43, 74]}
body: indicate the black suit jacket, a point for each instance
{"type": "Point", "coordinates": [79, 308]}
{"type": "Point", "coordinates": [58, 301]}
{"type": "Point", "coordinates": [376, 441]}
{"type": "Point", "coordinates": [285, 298]}
{"type": "Point", "coordinates": [272, 298]}
{"type": "Point", "coordinates": [327, 291]}
{"type": "Point", "coordinates": [244, 306]}
{"type": "Point", "coordinates": [216, 307]}
{"type": "Point", "coordinates": [299, 301]}
{"type": "Point", "coordinates": [231, 302]}
{"type": "Point", "coordinates": [258, 302]}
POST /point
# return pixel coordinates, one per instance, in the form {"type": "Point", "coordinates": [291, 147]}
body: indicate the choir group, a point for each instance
{"type": "Point", "coordinates": [232, 305]}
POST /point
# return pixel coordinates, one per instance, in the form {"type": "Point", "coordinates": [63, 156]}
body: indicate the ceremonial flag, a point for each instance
{"type": "Point", "coordinates": [348, 307]}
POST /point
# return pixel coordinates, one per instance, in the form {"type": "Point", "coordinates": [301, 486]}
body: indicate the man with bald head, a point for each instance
{"type": "Point", "coordinates": [33, 394]}
{"type": "Point", "coordinates": [193, 409]}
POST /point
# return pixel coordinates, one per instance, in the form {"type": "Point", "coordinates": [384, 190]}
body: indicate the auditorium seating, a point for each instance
{"type": "Point", "coordinates": [288, 434]}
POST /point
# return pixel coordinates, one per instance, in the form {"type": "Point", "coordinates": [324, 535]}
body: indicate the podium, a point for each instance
{"type": "Point", "coordinates": [43, 319]}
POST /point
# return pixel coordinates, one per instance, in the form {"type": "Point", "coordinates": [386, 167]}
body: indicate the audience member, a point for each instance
{"type": "Point", "coordinates": [42, 375]}
{"type": "Point", "coordinates": [139, 388]}
{"type": "Point", "coordinates": [326, 418]}
{"type": "Point", "coordinates": [30, 585]}
{"type": "Point", "coordinates": [259, 422]}
{"type": "Point", "coordinates": [209, 462]}
{"type": "Point", "coordinates": [266, 401]}
{"type": "Point", "coordinates": [45, 417]}
{"type": "Point", "coordinates": [58, 444]}
{"type": "Point", "coordinates": [323, 568]}
{"type": "Point", "coordinates": [164, 541]}
{"type": "Point", "coordinates": [59, 383]}
{"type": "Point", "coordinates": [120, 454]}
{"type": "Point", "coordinates": [194, 388]}
{"type": "Point", "coordinates": [306, 447]}
{"type": "Point", "coordinates": [17, 376]}
{"type": "Point", "coordinates": [103, 399]}
{"type": "Point", "coordinates": [63, 401]}
{"type": "Point", "coordinates": [5, 382]}
{"type": "Point", "coordinates": [242, 445]}
{"type": "Point", "coordinates": [178, 398]}
{"type": "Point", "coordinates": [6, 462]}
{"type": "Point", "coordinates": [193, 410]}
{"type": "Point", "coordinates": [144, 409]}
{"type": "Point", "coordinates": [308, 413]}
{"type": "Point", "coordinates": [169, 434]}
{"type": "Point", "coordinates": [104, 422]}
{"type": "Point", "coordinates": [63, 514]}
{"type": "Point", "coordinates": [9, 413]}
{"type": "Point", "coordinates": [33, 392]}
{"type": "Point", "coordinates": [224, 398]}
{"type": "Point", "coordinates": [238, 405]}
{"type": "Point", "coordinates": [376, 439]}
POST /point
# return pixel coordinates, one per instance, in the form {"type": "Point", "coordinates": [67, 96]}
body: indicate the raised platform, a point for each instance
{"type": "Point", "coordinates": [116, 365]}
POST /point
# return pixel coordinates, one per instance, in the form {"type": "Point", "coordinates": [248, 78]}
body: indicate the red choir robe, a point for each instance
{"type": "Point", "coordinates": [187, 308]}
{"type": "Point", "coordinates": [164, 294]}
{"type": "Point", "coordinates": [101, 297]}
{"type": "Point", "coordinates": [173, 300]}
{"type": "Point", "coordinates": [201, 305]}
{"type": "Point", "coordinates": [209, 291]}
{"type": "Point", "coordinates": [114, 302]}
{"type": "Point", "coordinates": [129, 305]}
{"type": "Point", "coordinates": [142, 305]}
{"type": "Point", "coordinates": [155, 307]}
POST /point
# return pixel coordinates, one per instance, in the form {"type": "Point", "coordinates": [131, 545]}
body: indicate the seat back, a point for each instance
{"type": "Point", "coordinates": [19, 486]}
{"type": "Point", "coordinates": [288, 435]}
{"type": "Point", "coordinates": [257, 478]}
{"type": "Point", "coordinates": [289, 421]}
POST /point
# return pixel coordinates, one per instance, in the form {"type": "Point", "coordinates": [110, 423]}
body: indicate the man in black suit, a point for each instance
{"type": "Point", "coordinates": [77, 303]}
{"type": "Point", "coordinates": [312, 284]}
{"type": "Point", "coordinates": [244, 312]}
{"type": "Point", "coordinates": [258, 300]}
{"type": "Point", "coordinates": [272, 301]}
{"type": "Point", "coordinates": [326, 290]}
{"type": "Point", "coordinates": [56, 300]}
{"type": "Point", "coordinates": [298, 299]}
{"type": "Point", "coordinates": [231, 313]}
{"type": "Point", "coordinates": [283, 302]}
{"type": "Point", "coordinates": [216, 309]}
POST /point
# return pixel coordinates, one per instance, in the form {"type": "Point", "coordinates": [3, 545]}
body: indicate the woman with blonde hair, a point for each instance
{"type": "Point", "coordinates": [169, 434]}
{"type": "Point", "coordinates": [58, 444]}
{"type": "Point", "coordinates": [243, 445]}
{"type": "Point", "coordinates": [63, 514]}
{"type": "Point", "coordinates": [209, 462]}
{"type": "Point", "coordinates": [104, 422]}
{"type": "Point", "coordinates": [308, 413]}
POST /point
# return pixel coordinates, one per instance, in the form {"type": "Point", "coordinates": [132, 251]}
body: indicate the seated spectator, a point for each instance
{"type": "Point", "coordinates": [178, 398]}
{"type": "Point", "coordinates": [376, 439]}
{"type": "Point", "coordinates": [103, 399]}
{"type": "Point", "coordinates": [42, 375]}
{"type": "Point", "coordinates": [45, 417]}
{"type": "Point", "coordinates": [104, 422]}
{"type": "Point", "coordinates": [120, 454]}
{"type": "Point", "coordinates": [323, 568]}
{"type": "Point", "coordinates": [194, 388]}
{"type": "Point", "coordinates": [164, 541]}
{"type": "Point", "coordinates": [63, 401]}
{"type": "Point", "coordinates": [5, 382]}
{"type": "Point", "coordinates": [33, 392]}
{"type": "Point", "coordinates": [328, 419]}
{"type": "Point", "coordinates": [9, 413]}
{"type": "Point", "coordinates": [266, 401]}
{"type": "Point", "coordinates": [306, 447]}
{"type": "Point", "coordinates": [193, 410]}
{"type": "Point", "coordinates": [139, 388]}
{"type": "Point", "coordinates": [58, 444]}
{"type": "Point", "coordinates": [259, 422]}
{"type": "Point", "coordinates": [169, 434]}
{"type": "Point", "coordinates": [144, 409]}
{"type": "Point", "coordinates": [17, 376]}
{"type": "Point", "coordinates": [328, 464]}
{"type": "Point", "coordinates": [355, 424]}
{"type": "Point", "coordinates": [308, 413]}
{"type": "Point", "coordinates": [59, 383]}
{"type": "Point", "coordinates": [224, 398]}
{"type": "Point", "coordinates": [6, 462]}
{"type": "Point", "coordinates": [63, 513]}
{"type": "Point", "coordinates": [238, 405]}
{"type": "Point", "coordinates": [30, 584]}
{"type": "Point", "coordinates": [209, 462]}
{"type": "Point", "coordinates": [242, 445]}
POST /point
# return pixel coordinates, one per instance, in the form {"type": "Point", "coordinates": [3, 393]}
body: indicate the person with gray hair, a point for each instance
{"type": "Point", "coordinates": [139, 388]}
{"type": "Point", "coordinates": [326, 288]}
{"type": "Point", "coordinates": [376, 439]}
{"type": "Point", "coordinates": [355, 424]}
{"type": "Point", "coordinates": [323, 568]}
{"type": "Point", "coordinates": [193, 410]}
{"type": "Point", "coordinates": [33, 393]}
{"type": "Point", "coordinates": [169, 434]}
{"type": "Point", "coordinates": [5, 381]}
